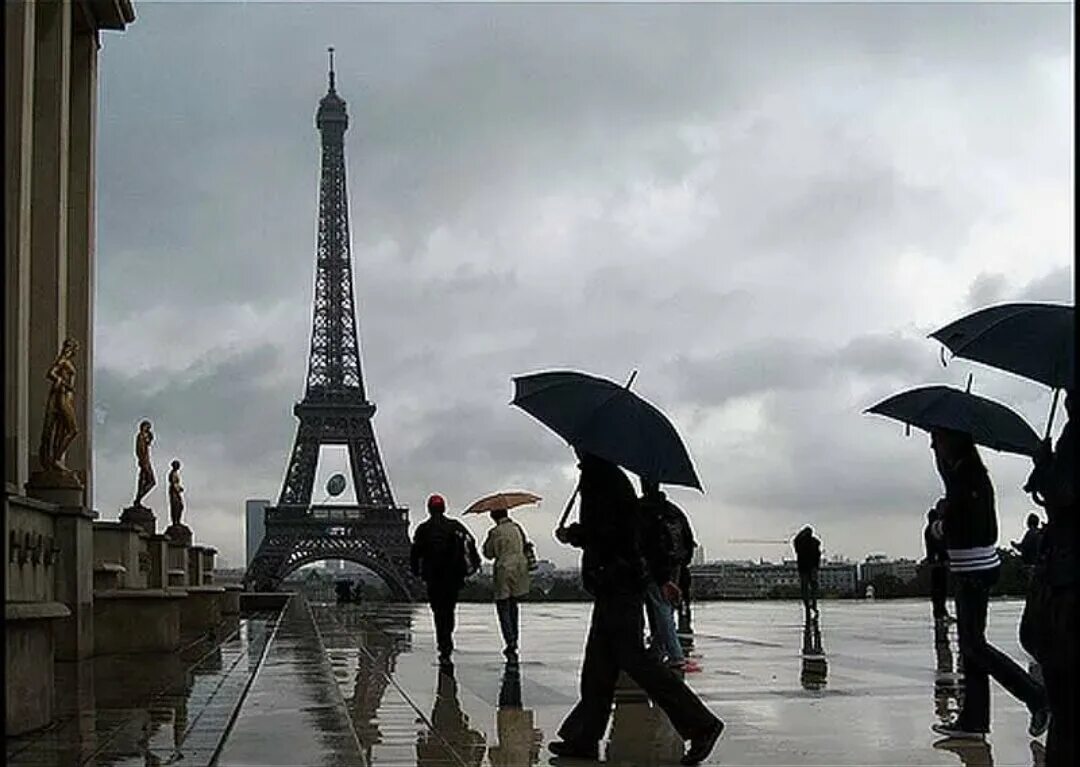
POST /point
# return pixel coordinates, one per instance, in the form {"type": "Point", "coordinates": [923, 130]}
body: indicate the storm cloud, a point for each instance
{"type": "Point", "coordinates": [764, 209]}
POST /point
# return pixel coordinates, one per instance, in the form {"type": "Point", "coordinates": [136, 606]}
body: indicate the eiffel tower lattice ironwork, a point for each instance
{"type": "Point", "coordinates": [335, 411]}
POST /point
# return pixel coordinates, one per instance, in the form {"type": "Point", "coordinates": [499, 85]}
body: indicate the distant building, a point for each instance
{"type": "Point", "coordinates": [877, 565]}
{"type": "Point", "coordinates": [758, 580]}
{"type": "Point", "coordinates": [254, 525]}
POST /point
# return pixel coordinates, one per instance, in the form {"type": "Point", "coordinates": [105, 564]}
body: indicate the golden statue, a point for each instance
{"type": "Point", "coordinates": [146, 479]}
{"type": "Point", "coordinates": [59, 427]}
{"type": "Point", "coordinates": [176, 490]}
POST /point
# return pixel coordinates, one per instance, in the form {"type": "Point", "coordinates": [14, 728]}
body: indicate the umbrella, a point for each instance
{"type": "Point", "coordinates": [1035, 341]}
{"type": "Point", "coordinates": [508, 500]}
{"type": "Point", "coordinates": [601, 417]}
{"type": "Point", "coordinates": [989, 423]}
{"type": "Point", "coordinates": [1031, 340]}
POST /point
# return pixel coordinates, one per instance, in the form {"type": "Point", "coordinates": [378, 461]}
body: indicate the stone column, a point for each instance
{"type": "Point", "coordinates": [80, 244]}
{"type": "Point", "coordinates": [49, 199]}
{"type": "Point", "coordinates": [18, 156]}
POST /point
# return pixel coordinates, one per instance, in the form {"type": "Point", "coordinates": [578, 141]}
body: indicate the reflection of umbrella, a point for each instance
{"type": "Point", "coordinates": [503, 501]}
{"type": "Point", "coordinates": [989, 423]}
{"type": "Point", "coordinates": [610, 421]}
{"type": "Point", "coordinates": [1031, 340]}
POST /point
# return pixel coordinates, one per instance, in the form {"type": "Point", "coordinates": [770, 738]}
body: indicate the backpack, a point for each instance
{"type": "Point", "coordinates": [451, 551]}
{"type": "Point", "coordinates": [674, 541]}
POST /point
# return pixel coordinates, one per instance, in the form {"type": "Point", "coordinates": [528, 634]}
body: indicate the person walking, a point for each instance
{"type": "Point", "coordinates": [808, 559]}
{"type": "Point", "coordinates": [668, 543]}
{"type": "Point", "coordinates": [1050, 611]}
{"type": "Point", "coordinates": [443, 554]}
{"type": "Point", "coordinates": [615, 574]}
{"type": "Point", "coordinates": [969, 527]}
{"type": "Point", "coordinates": [937, 559]}
{"type": "Point", "coordinates": [1028, 546]}
{"type": "Point", "coordinates": [505, 543]}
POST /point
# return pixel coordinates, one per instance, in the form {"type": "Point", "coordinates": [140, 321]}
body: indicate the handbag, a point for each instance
{"type": "Point", "coordinates": [528, 549]}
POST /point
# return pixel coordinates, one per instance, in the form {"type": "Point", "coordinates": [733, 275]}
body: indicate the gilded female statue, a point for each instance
{"type": "Point", "coordinates": [59, 427]}
{"type": "Point", "coordinates": [146, 479]}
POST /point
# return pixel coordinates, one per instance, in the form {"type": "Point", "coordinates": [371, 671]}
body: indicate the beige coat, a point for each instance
{"type": "Point", "coordinates": [505, 544]}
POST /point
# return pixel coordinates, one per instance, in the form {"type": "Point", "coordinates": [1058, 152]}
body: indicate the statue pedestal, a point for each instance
{"type": "Point", "coordinates": [63, 488]}
{"type": "Point", "coordinates": [141, 517]}
{"type": "Point", "coordinates": [179, 533]}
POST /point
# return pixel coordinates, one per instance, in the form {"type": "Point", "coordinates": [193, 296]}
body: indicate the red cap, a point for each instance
{"type": "Point", "coordinates": [436, 501]}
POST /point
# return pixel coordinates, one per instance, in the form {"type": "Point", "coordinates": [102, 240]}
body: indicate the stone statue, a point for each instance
{"type": "Point", "coordinates": [176, 497]}
{"type": "Point", "coordinates": [146, 479]}
{"type": "Point", "coordinates": [59, 427]}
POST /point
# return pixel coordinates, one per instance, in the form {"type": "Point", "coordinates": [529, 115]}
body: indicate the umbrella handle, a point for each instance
{"type": "Point", "coordinates": [569, 506]}
{"type": "Point", "coordinates": [1053, 410]}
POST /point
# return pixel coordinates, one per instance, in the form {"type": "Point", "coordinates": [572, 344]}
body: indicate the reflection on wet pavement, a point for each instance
{"type": "Point", "coordinates": [147, 709]}
{"type": "Point", "coordinates": [358, 685]}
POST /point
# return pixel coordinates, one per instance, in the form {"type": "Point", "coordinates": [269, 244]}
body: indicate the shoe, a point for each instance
{"type": "Point", "coordinates": [572, 750]}
{"type": "Point", "coordinates": [690, 666]}
{"type": "Point", "coordinates": [511, 654]}
{"type": "Point", "coordinates": [701, 747]}
{"type": "Point", "coordinates": [1040, 722]}
{"type": "Point", "coordinates": [954, 731]}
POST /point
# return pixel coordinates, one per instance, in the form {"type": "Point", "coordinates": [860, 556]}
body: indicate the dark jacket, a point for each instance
{"type": "Point", "coordinates": [609, 531]}
{"type": "Point", "coordinates": [667, 539]}
{"type": "Point", "coordinates": [936, 553]}
{"type": "Point", "coordinates": [1029, 546]}
{"type": "Point", "coordinates": [1054, 481]}
{"type": "Point", "coordinates": [807, 552]}
{"type": "Point", "coordinates": [443, 551]}
{"type": "Point", "coordinates": [970, 516]}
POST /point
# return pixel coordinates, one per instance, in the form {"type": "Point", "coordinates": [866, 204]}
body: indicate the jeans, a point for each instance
{"type": "Point", "coordinates": [443, 602]}
{"type": "Point", "coordinates": [507, 610]}
{"type": "Point", "coordinates": [614, 644]}
{"type": "Point", "coordinates": [982, 660]}
{"type": "Point", "coordinates": [939, 588]}
{"type": "Point", "coordinates": [661, 615]}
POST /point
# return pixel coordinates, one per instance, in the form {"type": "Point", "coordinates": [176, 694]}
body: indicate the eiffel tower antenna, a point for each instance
{"type": "Point", "coordinates": [334, 411]}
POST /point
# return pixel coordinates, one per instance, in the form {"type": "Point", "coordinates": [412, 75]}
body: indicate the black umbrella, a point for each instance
{"type": "Point", "coordinates": [601, 417]}
{"type": "Point", "coordinates": [989, 423]}
{"type": "Point", "coordinates": [1035, 341]}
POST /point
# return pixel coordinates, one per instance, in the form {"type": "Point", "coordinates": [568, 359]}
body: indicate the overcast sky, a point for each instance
{"type": "Point", "coordinates": [762, 208]}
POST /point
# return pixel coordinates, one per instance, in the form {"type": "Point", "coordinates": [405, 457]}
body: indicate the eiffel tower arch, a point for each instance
{"type": "Point", "coordinates": [335, 410]}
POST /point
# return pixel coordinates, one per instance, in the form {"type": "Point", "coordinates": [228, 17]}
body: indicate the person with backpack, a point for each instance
{"type": "Point", "coordinates": [669, 544]}
{"type": "Point", "coordinates": [507, 545]}
{"type": "Point", "coordinates": [808, 559]}
{"type": "Point", "coordinates": [443, 554]}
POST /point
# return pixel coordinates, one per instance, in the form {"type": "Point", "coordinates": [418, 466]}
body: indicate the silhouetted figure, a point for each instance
{"type": "Point", "coordinates": [1049, 627]}
{"type": "Point", "coordinates": [937, 559]}
{"type": "Point", "coordinates": [1028, 546]}
{"type": "Point", "coordinates": [668, 544]}
{"type": "Point", "coordinates": [969, 527]}
{"type": "Point", "coordinates": [808, 559]}
{"type": "Point", "coordinates": [505, 543]}
{"type": "Point", "coordinates": [443, 553]}
{"type": "Point", "coordinates": [614, 572]}
{"type": "Point", "coordinates": [450, 740]}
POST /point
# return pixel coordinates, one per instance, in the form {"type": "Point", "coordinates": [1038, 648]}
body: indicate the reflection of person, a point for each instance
{"type": "Point", "coordinates": [1049, 627]}
{"type": "Point", "coordinates": [971, 753]}
{"type": "Point", "coordinates": [613, 571]}
{"type": "Point", "coordinates": [59, 426]}
{"type": "Point", "coordinates": [443, 553]}
{"type": "Point", "coordinates": [808, 558]}
{"type": "Point", "coordinates": [519, 741]}
{"type": "Point", "coordinates": [946, 684]}
{"type": "Point", "coordinates": [146, 480]}
{"type": "Point", "coordinates": [176, 497]}
{"type": "Point", "coordinates": [815, 667]}
{"type": "Point", "coordinates": [969, 527]}
{"type": "Point", "coordinates": [450, 740]}
{"type": "Point", "coordinates": [505, 543]}
{"type": "Point", "coordinates": [640, 733]}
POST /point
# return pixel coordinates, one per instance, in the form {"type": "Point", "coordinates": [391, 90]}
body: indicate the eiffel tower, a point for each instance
{"type": "Point", "coordinates": [335, 410]}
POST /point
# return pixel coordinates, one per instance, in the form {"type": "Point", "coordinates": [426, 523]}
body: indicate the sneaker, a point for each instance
{"type": "Point", "coordinates": [1040, 722]}
{"type": "Point", "coordinates": [702, 746]}
{"type": "Point", "coordinates": [572, 750]}
{"type": "Point", "coordinates": [956, 732]}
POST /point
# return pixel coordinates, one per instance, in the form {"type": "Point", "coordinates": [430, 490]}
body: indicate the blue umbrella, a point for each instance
{"type": "Point", "coordinates": [942, 407]}
{"type": "Point", "coordinates": [601, 417]}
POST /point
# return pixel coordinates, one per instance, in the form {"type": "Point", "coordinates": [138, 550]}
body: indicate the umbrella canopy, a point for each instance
{"type": "Point", "coordinates": [989, 423]}
{"type": "Point", "coordinates": [1035, 341]}
{"type": "Point", "coordinates": [601, 417]}
{"type": "Point", "coordinates": [505, 501]}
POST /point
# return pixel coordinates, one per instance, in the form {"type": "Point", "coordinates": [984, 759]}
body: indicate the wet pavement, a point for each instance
{"type": "Point", "coordinates": [358, 685]}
